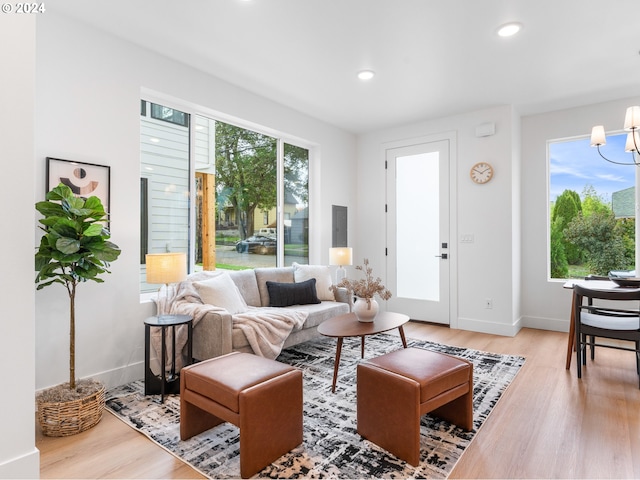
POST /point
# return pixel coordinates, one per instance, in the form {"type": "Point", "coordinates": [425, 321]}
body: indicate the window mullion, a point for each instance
{"type": "Point", "coordinates": [280, 203]}
{"type": "Point", "coordinates": [192, 193]}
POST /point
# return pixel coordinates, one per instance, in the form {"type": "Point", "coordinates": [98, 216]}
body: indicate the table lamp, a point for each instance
{"type": "Point", "coordinates": [166, 268]}
{"type": "Point", "coordinates": [340, 256]}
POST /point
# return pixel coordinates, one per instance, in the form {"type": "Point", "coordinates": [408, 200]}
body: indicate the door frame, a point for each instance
{"type": "Point", "coordinates": [451, 136]}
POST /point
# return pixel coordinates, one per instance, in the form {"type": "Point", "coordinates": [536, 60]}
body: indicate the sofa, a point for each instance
{"type": "Point", "coordinates": [228, 306]}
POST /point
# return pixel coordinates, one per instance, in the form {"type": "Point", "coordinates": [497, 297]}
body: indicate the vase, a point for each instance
{"type": "Point", "coordinates": [366, 311]}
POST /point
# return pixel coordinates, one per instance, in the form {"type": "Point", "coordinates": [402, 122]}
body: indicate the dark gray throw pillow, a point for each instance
{"type": "Point", "coordinates": [286, 294]}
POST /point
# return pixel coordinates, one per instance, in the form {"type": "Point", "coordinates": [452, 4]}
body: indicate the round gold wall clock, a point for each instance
{"type": "Point", "coordinates": [481, 172]}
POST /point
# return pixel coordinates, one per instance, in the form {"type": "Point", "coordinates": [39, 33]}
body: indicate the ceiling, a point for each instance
{"type": "Point", "coordinates": [432, 58]}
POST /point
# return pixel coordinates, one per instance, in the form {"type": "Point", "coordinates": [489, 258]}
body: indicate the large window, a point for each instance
{"type": "Point", "coordinates": [295, 221]}
{"type": "Point", "coordinates": [165, 172]}
{"type": "Point", "coordinates": [251, 192]}
{"type": "Point", "coordinates": [592, 208]}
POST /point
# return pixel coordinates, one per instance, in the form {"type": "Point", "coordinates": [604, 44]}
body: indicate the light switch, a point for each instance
{"type": "Point", "coordinates": [466, 238]}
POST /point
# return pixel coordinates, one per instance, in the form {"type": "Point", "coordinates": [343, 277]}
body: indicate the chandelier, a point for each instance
{"type": "Point", "coordinates": [631, 125]}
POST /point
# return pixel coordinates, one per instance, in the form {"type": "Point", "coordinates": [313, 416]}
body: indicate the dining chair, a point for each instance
{"type": "Point", "coordinates": [591, 276]}
{"type": "Point", "coordinates": [571, 338]}
{"type": "Point", "coordinates": [600, 314]}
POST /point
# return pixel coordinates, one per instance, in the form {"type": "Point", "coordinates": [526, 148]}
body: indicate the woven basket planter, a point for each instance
{"type": "Point", "coordinates": [61, 419]}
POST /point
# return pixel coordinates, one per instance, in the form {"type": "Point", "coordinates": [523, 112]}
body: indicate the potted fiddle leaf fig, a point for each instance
{"type": "Point", "coordinates": [75, 248]}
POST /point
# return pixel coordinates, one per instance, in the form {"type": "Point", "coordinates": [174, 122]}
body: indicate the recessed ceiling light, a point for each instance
{"type": "Point", "coordinates": [509, 29]}
{"type": "Point", "coordinates": [366, 74]}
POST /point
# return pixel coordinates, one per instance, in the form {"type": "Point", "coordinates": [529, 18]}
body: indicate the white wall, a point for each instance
{"type": "Point", "coordinates": [87, 109]}
{"type": "Point", "coordinates": [487, 268]}
{"type": "Point", "coordinates": [545, 304]}
{"type": "Point", "coordinates": [18, 456]}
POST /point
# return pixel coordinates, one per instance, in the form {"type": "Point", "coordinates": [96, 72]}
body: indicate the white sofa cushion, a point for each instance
{"type": "Point", "coordinates": [321, 273]}
{"type": "Point", "coordinates": [271, 274]}
{"type": "Point", "coordinates": [222, 292]}
{"type": "Point", "coordinates": [246, 282]}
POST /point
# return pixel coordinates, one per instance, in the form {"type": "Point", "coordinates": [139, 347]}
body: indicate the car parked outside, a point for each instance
{"type": "Point", "coordinates": [268, 232]}
{"type": "Point", "coordinates": [257, 244]}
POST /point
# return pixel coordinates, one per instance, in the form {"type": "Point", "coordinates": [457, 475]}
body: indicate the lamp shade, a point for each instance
{"type": "Point", "coordinates": [341, 256]}
{"type": "Point", "coordinates": [632, 143]}
{"type": "Point", "coordinates": [632, 118]}
{"type": "Point", "coordinates": [598, 136]}
{"type": "Point", "coordinates": [166, 267]}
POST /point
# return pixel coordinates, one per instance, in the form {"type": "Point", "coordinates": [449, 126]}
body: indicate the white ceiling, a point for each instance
{"type": "Point", "coordinates": [432, 57]}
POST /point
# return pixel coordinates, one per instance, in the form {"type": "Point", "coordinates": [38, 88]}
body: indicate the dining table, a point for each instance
{"type": "Point", "coordinates": [593, 283]}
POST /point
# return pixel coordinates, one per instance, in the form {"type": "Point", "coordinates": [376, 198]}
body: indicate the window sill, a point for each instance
{"type": "Point", "coordinates": [149, 297]}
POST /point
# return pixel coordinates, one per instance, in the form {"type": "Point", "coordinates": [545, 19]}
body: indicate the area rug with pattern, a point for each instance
{"type": "Point", "coordinates": [331, 446]}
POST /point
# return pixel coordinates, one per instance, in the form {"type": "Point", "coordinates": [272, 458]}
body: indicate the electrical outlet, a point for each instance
{"type": "Point", "coordinates": [488, 303]}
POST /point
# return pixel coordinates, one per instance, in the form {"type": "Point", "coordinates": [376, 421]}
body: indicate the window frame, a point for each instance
{"type": "Point", "coordinates": [610, 153]}
{"type": "Point", "coordinates": [282, 138]}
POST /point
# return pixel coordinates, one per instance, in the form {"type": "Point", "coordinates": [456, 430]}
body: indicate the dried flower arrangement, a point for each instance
{"type": "Point", "coordinates": [366, 287]}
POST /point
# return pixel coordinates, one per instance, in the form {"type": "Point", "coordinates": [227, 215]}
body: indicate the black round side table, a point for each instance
{"type": "Point", "coordinates": [163, 385]}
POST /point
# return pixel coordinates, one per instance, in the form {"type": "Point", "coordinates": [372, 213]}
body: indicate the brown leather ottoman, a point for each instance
{"type": "Point", "coordinates": [260, 396]}
{"type": "Point", "coordinates": [396, 389]}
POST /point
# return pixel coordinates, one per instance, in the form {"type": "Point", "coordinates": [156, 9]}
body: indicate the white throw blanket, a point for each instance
{"type": "Point", "coordinates": [266, 328]}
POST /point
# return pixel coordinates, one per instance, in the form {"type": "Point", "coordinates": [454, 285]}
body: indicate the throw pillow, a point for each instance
{"type": "Point", "coordinates": [286, 294]}
{"type": "Point", "coordinates": [221, 292]}
{"type": "Point", "coordinates": [321, 273]}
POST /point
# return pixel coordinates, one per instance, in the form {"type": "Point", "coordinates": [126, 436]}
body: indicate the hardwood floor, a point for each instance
{"type": "Point", "coordinates": [111, 449]}
{"type": "Point", "coordinates": [548, 424]}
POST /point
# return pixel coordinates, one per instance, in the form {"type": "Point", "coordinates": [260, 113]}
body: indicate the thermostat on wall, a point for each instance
{"type": "Point", "coordinates": [486, 129]}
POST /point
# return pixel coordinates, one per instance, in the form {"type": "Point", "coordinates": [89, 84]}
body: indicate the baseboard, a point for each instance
{"type": "Point", "coordinates": [117, 376]}
{"type": "Point", "coordinates": [541, 323]}
{"type": "Point", "coordinates": [121, 375]}
{"type": "Point", "coordinates": [24, 466]}
{"type": "Point", "coordinates": [482, 326]}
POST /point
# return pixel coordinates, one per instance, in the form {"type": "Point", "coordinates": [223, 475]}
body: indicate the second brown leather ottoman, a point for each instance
{"type": "Point", "coordinates": [396, 389]}
{"type": "Point", "coordinates": [260, 396]}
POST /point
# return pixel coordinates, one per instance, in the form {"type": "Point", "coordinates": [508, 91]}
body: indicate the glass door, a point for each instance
{"type": "Point", "coordinates": [418, 230]}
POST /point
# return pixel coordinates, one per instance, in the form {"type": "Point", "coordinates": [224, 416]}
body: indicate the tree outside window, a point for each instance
{"type": "Point", "coordinates": [236, 174]}
{"type": "Point", "coordinates": [591, 217]}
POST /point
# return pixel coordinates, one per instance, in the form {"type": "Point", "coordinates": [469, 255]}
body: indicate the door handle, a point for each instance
{"type": "Point", "coordinates": [444, 256]}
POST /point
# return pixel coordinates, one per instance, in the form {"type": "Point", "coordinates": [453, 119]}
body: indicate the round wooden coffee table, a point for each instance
{"type": "Point", "coordinates": [347, 325]}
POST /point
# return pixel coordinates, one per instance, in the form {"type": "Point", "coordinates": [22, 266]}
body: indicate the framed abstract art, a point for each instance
{"type": "Point", "coordinates": [84, 179]}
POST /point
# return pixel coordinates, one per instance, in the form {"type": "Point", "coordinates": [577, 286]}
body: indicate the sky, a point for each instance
{"type": "Point", "coordinates": [574, 164]}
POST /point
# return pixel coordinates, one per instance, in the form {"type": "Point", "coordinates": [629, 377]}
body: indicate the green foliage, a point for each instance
{"type": "Point", "coordinates": [296, 172]}
{"type": "Point", "coordinates": [75, 248]}
{"type": "Point", "coordinates": [576, 198]}
{"type": "Point", "coordinates": [593, 203]}
{"type": "Point", "coordinates": [592, 235]}
{"type": "Point", "coordinates": [246, 164]}
{"type": "Point", "coordinates": [566, 208]}
{"type": "Point", "coordinates": [626, 228]}
{"type": "Point", "coordinates": [598, 235]}
{"type": "Point", "coordinates": [578, 271]}
{"type": "Point", "coordinates": [559, 264]}
{"type": "Point", "coordinates": [246, 172]}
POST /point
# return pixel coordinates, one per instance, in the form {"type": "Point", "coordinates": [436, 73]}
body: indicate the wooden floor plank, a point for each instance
{"type": "Point", "coordinates": [548, 424]}
{"type": "Point", "coordinates": [111, 449]}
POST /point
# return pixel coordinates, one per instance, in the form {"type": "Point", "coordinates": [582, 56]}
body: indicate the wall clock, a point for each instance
{"type": "Point", "coordinates": [481, 172]}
